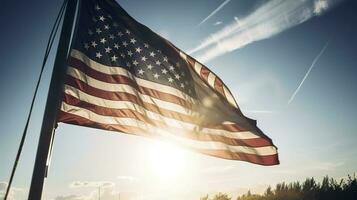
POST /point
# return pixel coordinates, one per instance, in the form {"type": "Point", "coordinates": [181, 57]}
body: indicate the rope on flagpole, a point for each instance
{"type": "Point", "coordinates": [51, 39]}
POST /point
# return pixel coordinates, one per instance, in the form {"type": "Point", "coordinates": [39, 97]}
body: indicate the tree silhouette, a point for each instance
{"type": "Point", "coordinates": [221, 196]}
{"type": "Point", "coordinates": [328, 189]}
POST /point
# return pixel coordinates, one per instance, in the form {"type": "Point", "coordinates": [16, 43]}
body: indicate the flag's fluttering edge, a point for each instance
{"type": "Point", "coordinates": [123, 77]}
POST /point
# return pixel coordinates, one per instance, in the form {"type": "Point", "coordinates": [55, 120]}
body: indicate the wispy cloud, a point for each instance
{"type": "Point", "coordinates": [318, 165]}
{"type": "Point", "coordinates": [217, 23]}
{"type": "Point", "coordinates": [320, 6]}
{"type": "Point", "coordinates": [13, 190]}
{"type": "Point", "coordinates": [215, 11]}
{"type": "Point", "coordinates": [269, 19]}
{"type": "Point", "coordinates": [86, 184]}
{"type": "Point", "coordinates": [105, 194]}
{"type": "Point", "coordinates": [308, 71]}
{"type": "Point", "coordinates": [328, 166]}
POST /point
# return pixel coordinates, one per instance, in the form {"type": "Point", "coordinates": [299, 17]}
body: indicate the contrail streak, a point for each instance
{"type": "Point", "coordinates": [308, 71]}
{"type": "Point", "coordinates": [215, 11]}
{"type": "Point", "coordinates": [268, 20]}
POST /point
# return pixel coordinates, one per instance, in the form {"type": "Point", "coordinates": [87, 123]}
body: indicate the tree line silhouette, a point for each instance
{"type": "Point", "coordinates": [328, 189]}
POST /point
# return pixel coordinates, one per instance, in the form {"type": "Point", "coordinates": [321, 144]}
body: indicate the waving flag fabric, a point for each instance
{"type": "Point", "coordinates": [123, 77]}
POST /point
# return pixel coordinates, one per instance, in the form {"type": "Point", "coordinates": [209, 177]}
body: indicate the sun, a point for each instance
{"type": "Point", "coordinates": [167, 160]}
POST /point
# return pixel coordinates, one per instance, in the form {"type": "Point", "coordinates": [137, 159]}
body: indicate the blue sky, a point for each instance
{"type": "Point", "coordinates": [262, 62]}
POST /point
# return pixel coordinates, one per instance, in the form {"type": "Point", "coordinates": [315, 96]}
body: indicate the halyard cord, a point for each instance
{"type": "Point", "coordinates": [51, 39]}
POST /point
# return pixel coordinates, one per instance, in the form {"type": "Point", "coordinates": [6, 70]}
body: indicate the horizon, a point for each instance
{"type": "Point", "coordinates": [291, 65]}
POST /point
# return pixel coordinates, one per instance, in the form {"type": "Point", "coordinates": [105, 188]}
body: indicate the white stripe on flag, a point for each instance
{"type": "Point", "coordinates": [211, 78]}
{"type": "Point", "coordinates": [229, 97]}
{"type": "Point", "coordinates": [198, 68]}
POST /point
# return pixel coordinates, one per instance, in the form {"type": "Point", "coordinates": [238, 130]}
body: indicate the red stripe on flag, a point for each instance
{"type": "Point", "coordinates": [260, 160]}
{"type": "Point", "coordinates": [218, 85]}
{"type": "Point", "coordinates": [204, 73]}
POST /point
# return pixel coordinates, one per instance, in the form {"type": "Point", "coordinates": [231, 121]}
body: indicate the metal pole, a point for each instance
{"type": "Point", "coordinates": [52, 104]}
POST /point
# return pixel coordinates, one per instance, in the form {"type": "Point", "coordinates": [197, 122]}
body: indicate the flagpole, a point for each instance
{"type": "Point", "coordinates": [52, 104]}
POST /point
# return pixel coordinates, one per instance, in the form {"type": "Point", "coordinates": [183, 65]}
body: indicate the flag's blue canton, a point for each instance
{"type": "Point", "coordinates": [107, 41]}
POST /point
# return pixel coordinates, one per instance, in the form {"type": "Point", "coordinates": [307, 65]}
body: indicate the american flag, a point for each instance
{"type": "Point", "coordinates": [123, 77]}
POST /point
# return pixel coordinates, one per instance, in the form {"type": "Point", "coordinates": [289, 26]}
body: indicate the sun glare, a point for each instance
{"type": "Point", "coordinates": [167, 161]}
